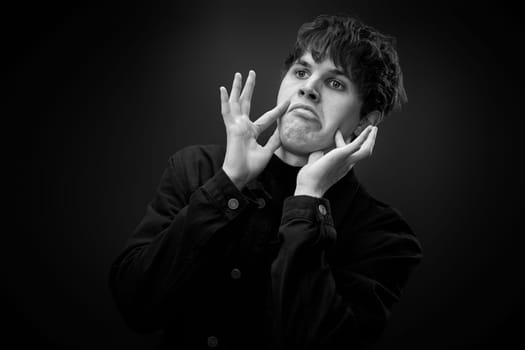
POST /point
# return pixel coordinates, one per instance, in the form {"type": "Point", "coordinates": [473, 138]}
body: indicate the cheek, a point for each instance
{"type": "Point", "coordinates": [285, 91]}
{"type": "Point", "coordinates": [348, 126]}
{"type": "Point", "coordinates": [342, 116]}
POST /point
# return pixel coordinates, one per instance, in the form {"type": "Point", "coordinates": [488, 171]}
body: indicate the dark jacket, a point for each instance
{"type": "Point", "coordinates": [212, 266]}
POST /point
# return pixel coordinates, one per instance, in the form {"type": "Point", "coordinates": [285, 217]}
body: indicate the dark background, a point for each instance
{"type": "Point", "coordinates": [103, 94]}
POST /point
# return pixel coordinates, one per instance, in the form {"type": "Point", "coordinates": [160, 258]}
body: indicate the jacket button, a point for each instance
{"type": "Point", "coordinates": [213, 341]}
{"type": "Point", "coordinates": [261, 203]}
{"type": "Point", "coordinates": [235, 273]}
{"type": "Point", "coordinates": [322, 209]}
{"type": "Point", "coordinates": [233, 203]}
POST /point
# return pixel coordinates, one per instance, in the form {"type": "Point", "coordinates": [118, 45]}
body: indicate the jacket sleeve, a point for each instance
{"type": "Point", "coordinates": [316, 305]}
{"type": "Point", "coordinates": [178, 235]}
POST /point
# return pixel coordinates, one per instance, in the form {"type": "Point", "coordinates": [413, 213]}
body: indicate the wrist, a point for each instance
{"type": "Point", "coordinates": [304, 191]}
{"type": "Point", "coordinates": [238, 181]}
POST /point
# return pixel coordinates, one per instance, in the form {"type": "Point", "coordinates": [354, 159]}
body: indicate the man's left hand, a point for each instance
{"type": "Point", "coordinates": [324, 170]}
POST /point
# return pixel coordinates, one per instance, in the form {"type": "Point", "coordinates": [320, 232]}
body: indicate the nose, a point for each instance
{"type": "Point", "coordinates": [309, 91]}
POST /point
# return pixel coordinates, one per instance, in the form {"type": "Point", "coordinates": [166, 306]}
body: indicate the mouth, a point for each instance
{"type": "Point", "coordinates": [305, 111]}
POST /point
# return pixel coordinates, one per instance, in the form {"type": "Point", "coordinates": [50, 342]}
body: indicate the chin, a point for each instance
{"type": "Point", "coordinates": [298, 145]}
{"type": "Point", "coordinates": [298, 138]}
{"type": "Point", "coordinates": [296, 149]}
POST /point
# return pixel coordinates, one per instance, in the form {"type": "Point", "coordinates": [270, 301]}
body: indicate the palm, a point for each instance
{"type": "Point", "coordinates": [245, 157]}
{"type": "Point", "coordinates": [324, 170]}
{"type": "Point", "coordinates": [243, 139]}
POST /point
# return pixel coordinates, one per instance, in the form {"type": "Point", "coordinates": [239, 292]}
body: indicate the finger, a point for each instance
{"type": "Point", "coordinates": [274, 141]}
{"type": "Point", "coordinates": [225, 106]}
{"type": "Point", "coordinates": [366, 148]}
{"type": "Point", "coordinates": [374, 137]}
{"type": "Point", "coordinates": [339, 140]}
{"type": "Point", "coordinates": [269, 117]}
{"type": "Point", "coordinates": [358, 141]}
{"type": "Point", "coordinates": [315, 156]}
{"type": "Point", "coordinates": [247, 93]}
{"type": "Point", "coordinates": [236, 87]}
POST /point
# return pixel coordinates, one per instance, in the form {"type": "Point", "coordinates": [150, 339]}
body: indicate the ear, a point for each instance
{"type": "Point", "coordinates": [372, 118]}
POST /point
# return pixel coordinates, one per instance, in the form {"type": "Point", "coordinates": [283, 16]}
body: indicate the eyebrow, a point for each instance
{"type": "Point", "coordinates": [335, 71]}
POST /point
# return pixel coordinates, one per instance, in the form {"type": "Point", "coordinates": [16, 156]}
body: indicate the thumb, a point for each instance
{"type": "Point", "coordinates": [315, 156]}
{"type": "Point", "coordinates": [274, 141]}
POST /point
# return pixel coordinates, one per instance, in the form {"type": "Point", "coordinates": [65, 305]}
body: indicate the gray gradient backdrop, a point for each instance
{"type": "Point", "coordinates": [105, 94]}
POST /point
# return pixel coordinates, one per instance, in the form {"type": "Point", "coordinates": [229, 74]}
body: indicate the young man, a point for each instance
{"type": "Point", "coordinates": [278, 246]}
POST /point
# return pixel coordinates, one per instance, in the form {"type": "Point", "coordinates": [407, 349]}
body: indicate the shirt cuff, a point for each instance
{"type": "Point", "coordinates": [306, 207]}
{"type": "Point", "coordinates": [307, 220]}
{"type": "Point", "coordinates": [226, 196]}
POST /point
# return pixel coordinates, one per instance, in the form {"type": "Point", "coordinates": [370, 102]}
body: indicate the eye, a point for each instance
{"type": "Point", "coordinates": [301, 73]}
{"type": "Point", "coordinates": [336, 84]}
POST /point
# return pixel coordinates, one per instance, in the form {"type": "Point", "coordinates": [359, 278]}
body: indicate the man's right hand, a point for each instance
{"type": "Point", "coordinates": [245, 158]}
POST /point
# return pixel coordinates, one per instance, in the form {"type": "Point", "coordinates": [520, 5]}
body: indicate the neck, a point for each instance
{"type": "Point", "coordinates": [290, 158]}
{"type": "Point", "coordinates": [295, 159]}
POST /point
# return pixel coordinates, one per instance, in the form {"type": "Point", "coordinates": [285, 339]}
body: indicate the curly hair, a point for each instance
{"type": "Point", "coordinates": [367, 57]}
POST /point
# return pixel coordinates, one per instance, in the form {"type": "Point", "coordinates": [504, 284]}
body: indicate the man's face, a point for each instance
{"type": "Point", "coordinates": [330, 102]}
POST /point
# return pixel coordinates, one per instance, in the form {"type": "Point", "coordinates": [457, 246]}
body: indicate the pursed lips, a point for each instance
{"type": "Point", "coordinates": [308, 109]}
